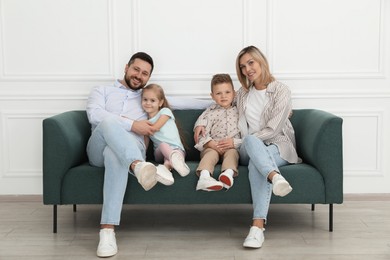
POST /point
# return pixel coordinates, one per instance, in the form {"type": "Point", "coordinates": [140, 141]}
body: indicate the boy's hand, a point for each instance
{"type": "Point", "coordinates": [199, 131]}
{"type": "Point", "coordinates": [226, 144]}
{"type": "Point", "coordinates": [214, 145]}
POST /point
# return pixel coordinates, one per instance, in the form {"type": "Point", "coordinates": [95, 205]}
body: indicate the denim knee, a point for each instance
{"type": "Point", "coordinates": [249, 139]}
{"type": "Point", "coordinates": [108, 123]}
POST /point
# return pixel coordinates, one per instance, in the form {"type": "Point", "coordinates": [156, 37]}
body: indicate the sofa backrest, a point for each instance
{"type": "Point", "coordinates": [186, 120]}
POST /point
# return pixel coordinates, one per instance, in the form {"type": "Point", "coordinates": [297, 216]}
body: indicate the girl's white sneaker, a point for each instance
{"type": "Point", "coordinates": [164, 175]}
{"type": "Point", "coordinates": [178, 163]}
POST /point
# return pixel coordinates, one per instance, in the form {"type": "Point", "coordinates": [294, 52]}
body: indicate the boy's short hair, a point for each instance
{"type": "Point", "coordinates": [221, 78]}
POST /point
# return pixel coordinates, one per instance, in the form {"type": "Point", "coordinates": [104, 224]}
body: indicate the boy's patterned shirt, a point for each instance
{"type": "Point", "coordinates": [220, 123]}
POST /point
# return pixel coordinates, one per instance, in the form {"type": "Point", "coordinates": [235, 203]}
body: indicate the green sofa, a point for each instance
{"type": "Point", "coordinates": [69, 179]}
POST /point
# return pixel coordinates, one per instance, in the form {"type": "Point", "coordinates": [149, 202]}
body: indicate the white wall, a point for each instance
{"type": "Point", "coordinates": [334, 54]}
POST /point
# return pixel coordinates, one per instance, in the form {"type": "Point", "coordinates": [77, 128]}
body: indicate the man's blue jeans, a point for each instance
{"type": "Point", "coordinates": [114, 148]}
{"type": "Point", "coordinates": [261, 160]}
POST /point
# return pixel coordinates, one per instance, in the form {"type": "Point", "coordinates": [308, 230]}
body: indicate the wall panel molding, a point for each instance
{"type": "Point", "coordinates": [347, 75]}
{"type": "Point", "coordinates": [341, 94]}
{"type": "Point", "coordinates": [365, 136]}
{"type": "Point", "coordinates": [21, 76]}
{"type": "Point", "coordinates": [375, 73]}
{"type": "Point", "coordinates": [9, 170]}
{"type": "Point", "coordinates": [43, 97]}
{"type": "Point", "coordinates": [136, 26]}
{"type": "Point", "coordinates": [306, 95]}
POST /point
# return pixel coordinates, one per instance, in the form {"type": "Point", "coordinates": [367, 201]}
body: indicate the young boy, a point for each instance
{"type": "Point", "coordinates": [221, 139]}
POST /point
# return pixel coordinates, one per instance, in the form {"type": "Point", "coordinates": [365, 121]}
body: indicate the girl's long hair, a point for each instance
{"type": "Point", "coordinates": [159, 91]}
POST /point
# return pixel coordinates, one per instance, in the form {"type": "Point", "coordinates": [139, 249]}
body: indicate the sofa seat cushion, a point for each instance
{"type": "Point", "coordinates": [308, 187]}
{"type": "Point", "coordinates": [307, 182]}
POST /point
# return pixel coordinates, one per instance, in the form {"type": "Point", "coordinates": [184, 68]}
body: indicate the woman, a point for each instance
{"type": "Point", "coordinates": [264, 106]}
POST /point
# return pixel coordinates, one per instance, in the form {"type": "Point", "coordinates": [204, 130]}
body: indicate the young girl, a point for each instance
{"type": "Point", "coordinates": [168, 148]}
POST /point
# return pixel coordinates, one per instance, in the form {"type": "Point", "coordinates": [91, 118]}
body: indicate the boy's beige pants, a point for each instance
{"type": "Point", "coordinates": [210, 157]}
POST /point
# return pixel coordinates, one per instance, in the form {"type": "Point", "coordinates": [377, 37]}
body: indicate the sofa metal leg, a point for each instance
{"type": "Point", "coordinates": [313, 206]}
{"type": "Point", "coordinates": [330, 217]}
{"type": "Point", "coordinates": [74, 207]}
{"type": "Point", "coordinates": [54, 218]}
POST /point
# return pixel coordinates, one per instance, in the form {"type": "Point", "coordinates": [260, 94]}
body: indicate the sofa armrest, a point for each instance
{"type": "Point", "coordinates": [319, 143]}
{"type": "Point", "coordinates": [65, 137]}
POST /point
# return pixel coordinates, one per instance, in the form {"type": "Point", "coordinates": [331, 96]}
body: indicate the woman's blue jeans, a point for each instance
{"type": "Point", "coordinates": [114, 148]}
{"type": "Point", "coordinates": [261, 160]}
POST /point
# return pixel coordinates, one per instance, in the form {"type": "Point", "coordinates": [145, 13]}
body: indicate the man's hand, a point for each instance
{"type": "Point", "coordinates": [143, 127]}
{"type": "Point", "coordinates": [199, 131]}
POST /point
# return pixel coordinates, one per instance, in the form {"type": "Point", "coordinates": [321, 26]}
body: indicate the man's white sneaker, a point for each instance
{"type": "Point", "coordinates": [209, 184]}
{"type": "Point", "coordinates": [178, 163]}
{"type": "Point", "coordinates": [164, 175]}
{"type": "Point", "coordinates": [107, 244]}
{"type": "Point", "coordinates": [146, 174]}
{"type": "Point", "coordinates": [255, 238]}
{"type": "Point", "coordinates": [226, 179]}
{"type": "Point", "coordinates": [280, 186]}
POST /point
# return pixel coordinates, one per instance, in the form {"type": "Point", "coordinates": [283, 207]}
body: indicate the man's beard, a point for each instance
{"type": "Point", "coordinates": [128, 82]}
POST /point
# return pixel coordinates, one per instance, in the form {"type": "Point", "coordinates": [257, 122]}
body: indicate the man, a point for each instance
{"type": "Point", "coordinates": [119, 125]}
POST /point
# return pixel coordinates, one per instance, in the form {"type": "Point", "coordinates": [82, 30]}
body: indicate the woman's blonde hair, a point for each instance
{"type": "Point", "coordinates": [258, 56]}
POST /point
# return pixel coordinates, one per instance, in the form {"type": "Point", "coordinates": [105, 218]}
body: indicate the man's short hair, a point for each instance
{"type": "Point", "coordinates": [142, 56]}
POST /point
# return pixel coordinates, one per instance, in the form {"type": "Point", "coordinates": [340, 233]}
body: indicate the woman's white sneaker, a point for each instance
{"type": "Point", "coordinates": [107, 245]}
{"type": "Point", "coordinates": [280, 186]}
{"type": "Point", "coordinates": [255, 238]}
{"type": "Point", "coordinates": [164, 175]}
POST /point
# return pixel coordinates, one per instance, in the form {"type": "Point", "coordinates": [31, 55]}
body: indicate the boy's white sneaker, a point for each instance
{"type": "Point", "coordinates": [209, 184]}
{"type": "Point", "coordinates": [107, 244]}
{"type": "Point", "coordinates": [164, 175]}
{"type": "Point", "coordinates": [255, 238]}
{"type": "Point", "coordinates": [146, 174]}
{"type": "Point", "coordinates": [280, 186]}
{"type": "Point", "coordinates": [226, 179]}
{"type": "Point", "coordinates": [178, 163]}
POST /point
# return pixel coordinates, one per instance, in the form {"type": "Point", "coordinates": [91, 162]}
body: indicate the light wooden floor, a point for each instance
{"type": "Point", "coordinates": [361, 231]}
